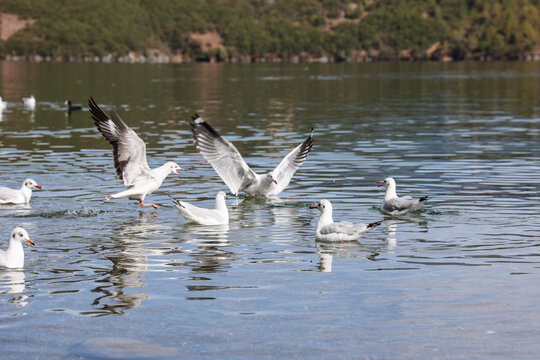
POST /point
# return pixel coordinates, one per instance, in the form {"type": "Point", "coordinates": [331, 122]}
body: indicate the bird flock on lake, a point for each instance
{"type": "Point", "coordinates": [129, 155]}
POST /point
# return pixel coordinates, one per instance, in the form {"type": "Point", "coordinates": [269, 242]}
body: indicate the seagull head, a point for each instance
{"type": "Point", "coordinates": [19, 234]}
{"type": "Point", "coordinates": [221, 194]}
{"type": "Point", "coordinates": [174, 167]}
{"type": "Point", "coordinates": [270, 178]}
{"type": "Point", "coordinates": [29, 183]}
{"type": "Point", "coordinates": [323, 205]}
{"type": "Point", "coordinates": [386, 182]}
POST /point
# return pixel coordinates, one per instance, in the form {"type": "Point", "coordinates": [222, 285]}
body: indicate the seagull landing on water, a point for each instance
{"type": "Point", "coordinates": [21, 196]}
{"type": "Point", "coordinates": [328, 230]}
{"type": "Point", "coordinates": [217, 216]}
{"type": "Point", "coordinates": [395, 205]}
{"type": "Point", "coordinates": [129, 153]}
{"type": "Point", "coordinates": [13, 257]}
{"type": "Point", "coordinates": [231, 167]}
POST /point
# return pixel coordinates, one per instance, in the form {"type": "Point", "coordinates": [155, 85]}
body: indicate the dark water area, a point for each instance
{"type": "Point", "coordinates": [456, 279]}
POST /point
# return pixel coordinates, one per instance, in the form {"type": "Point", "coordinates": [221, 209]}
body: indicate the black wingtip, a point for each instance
{"type": "Point", "coordinates": [373, 224]}
{"type": "Point", "coordinates": [175, 201]}
{"type": "Point", "coordinates": [424, 198]}
{"type": "Point", "coordinates": [194, 116]}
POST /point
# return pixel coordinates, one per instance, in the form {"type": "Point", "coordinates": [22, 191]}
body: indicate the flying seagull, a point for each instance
{"type": "Point", "coordinates": [129, 153]}
{"type": "Point", "coordinates": [231, 167]}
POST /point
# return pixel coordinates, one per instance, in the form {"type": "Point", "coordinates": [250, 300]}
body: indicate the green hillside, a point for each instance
{"type": "Point", "coordinates": [228, 30]}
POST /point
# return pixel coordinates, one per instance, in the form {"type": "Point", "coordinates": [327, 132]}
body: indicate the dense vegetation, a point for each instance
{"type": "Point", "coordinates": [336, 29]}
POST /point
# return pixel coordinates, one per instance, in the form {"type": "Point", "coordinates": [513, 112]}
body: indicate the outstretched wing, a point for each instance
{"type": "Point", "coordinates": [221, 154]}
{"type": "Point", "coordinates": [284, 172]}
{"type": "Point", "coordinates": [129, 151]}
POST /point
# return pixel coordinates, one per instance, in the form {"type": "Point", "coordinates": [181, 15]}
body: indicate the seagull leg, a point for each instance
{"type": "Point", "coordinates": [141, 204]}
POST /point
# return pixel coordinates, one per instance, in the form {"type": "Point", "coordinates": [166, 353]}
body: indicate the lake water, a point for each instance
{"type": "Point", "coordinates": [457, 279]}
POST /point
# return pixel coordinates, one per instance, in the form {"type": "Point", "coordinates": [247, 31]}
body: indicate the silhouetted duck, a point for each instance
{"type": "Point", "coordinates": [70, 107]}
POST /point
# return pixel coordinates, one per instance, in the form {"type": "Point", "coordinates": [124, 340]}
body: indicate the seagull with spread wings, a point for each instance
{"type": "Point", "coordinates": [129, 153]}
{"type": "Point", "coordinates": [231, 167]}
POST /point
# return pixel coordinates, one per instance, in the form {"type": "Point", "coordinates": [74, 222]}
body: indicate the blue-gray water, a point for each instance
{"type": "Point", "coordinates": [458, 279]}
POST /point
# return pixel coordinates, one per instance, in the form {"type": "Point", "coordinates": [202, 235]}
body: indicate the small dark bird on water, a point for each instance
{"type": "Point", "coordinates": [71, 108]}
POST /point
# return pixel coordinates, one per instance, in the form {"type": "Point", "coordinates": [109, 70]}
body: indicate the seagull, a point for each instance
{"type": "Point", "coordinates": [21, 196]}
{"type": "Point", "coordinates": [13, 257]}
{"type": "Point", "coordinates": [129, 153]}
{"type": "Point", "coordinates": [217, 216]}
{"type": "Point", "coordinates": [328, 230]}
{"type": "Point", "coordinates": [3, 104]}
{"type": "Point", "coordinates": [70, 107]}
{"type": "Point", "coordinates": [29, 102]}
{"type": "Point", "coordinates": [398, 205]}
{"type": "Point", "coordinates": [231, 167]}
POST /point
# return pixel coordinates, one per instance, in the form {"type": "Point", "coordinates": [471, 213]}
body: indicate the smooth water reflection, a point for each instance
{"type": "Point", "coordinates": [106, 279]}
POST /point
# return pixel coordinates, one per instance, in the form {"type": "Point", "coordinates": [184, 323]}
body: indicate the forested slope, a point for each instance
{"type": "Point", "coordinates": [225, 30]}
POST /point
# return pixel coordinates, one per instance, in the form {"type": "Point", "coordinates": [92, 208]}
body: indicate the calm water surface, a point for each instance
{"type": "Point", "coordinates": [458, 279]}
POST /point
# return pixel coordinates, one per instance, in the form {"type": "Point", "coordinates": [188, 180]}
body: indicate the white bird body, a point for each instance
{"type": "Point", "coordinates": [13, 257]}
{"type": "Point", "coordinates": [29, 102]}
{"type": "Point", "coordinates": [219, 215]}
{"type": "Point", "coordinates": [231, 167]}
{"type": "Point", "coordinates": [129, 153]}
{"type": "Point", "coordinates": [328, 230]}
{"type": "Point", "coordinates": [3, 104]}
{"type": "Point", "coordinates": [21, 196]}
{"type": "Point", "coordinates": [396, 205]}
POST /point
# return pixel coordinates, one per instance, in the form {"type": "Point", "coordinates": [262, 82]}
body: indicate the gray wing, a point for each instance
{"type": "Point", "coordinates": [7, 193]}
{"type": "Point", "coordinates": [345, 228]}
{"type": "Point", "coordinates": [221, 154]}
{"type": "Point", "coordinates": [129, 151]}
{"type": "Point", "coordinates": [400, 204]}
{"type": "Point", "coordinates": [284, 172]}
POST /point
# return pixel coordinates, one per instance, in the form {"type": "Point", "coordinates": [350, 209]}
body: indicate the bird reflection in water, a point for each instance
{"type": "Point", "coordinates": [346, 249]}
{"type": "Point", "coordinates": [210, 256]}
{"type": "Point", "coordinates": [13, 282]}
{"type": "Point", "coordinates": [129, 263]}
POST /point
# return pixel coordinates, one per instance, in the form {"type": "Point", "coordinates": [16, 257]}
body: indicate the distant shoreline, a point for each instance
{"type": "Point", "coordinates": [295, 59]}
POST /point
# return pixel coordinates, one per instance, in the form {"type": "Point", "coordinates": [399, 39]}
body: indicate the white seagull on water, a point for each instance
{"type": "Point", "coordinates": [398, 205]}
{"type": "Point", "coordinates": [217, 216]}
{"type": "Point", "coordinates": [13, 257]}
{"type": "Point", "coordinates": [3, 104]}
{"type": "Point", "coordinates": [21, 196]}
{"type": "Point", "coordinates": [29, 102]}
{"type": "Point", "coordinates": [231, 167]}
{"type": "Point", "coordinates": [328, 230]}
{"type": "Point", "coordinates": [129, 153]}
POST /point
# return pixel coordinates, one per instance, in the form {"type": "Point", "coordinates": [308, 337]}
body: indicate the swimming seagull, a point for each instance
{"type": "Point", "coordinates": [231, 167]}
{"type": "Point", "coordinates": [217, 216]}
{"type": "Point", "coordinates": [398, 205]}
{"type": "Point", "coordinates": [29, 102]}
{"type": "Point", "coordinates": [129, 153]}
{"type": "Point", "coordinates": [328, 230]}
{"type": "Point", "coordinates": [71, 107]}
{"type": "Point", "coordinates": [21, 196]}
{"type": "Point", "coordinates": [3, 104]}
{"type": "Point", "coordinates": [13, 257]}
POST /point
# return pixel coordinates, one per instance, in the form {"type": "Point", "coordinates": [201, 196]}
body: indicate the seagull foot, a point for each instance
{"type": "Point", "coordinates": [141, 204]}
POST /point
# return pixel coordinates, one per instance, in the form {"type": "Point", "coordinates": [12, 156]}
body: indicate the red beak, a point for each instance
{"type": "Point", "coordinates": [31, 242]}
{"type": "Point", "coordinates": [313, 207]}
{"type": "Point", "coordinates": [177, 174]}
{"type": "Point", "coordinates": [380, 182]}
{"type": "Point", "coordinates": [38, 186]}
{"type": "Point", "coordinates": [275, 181]}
